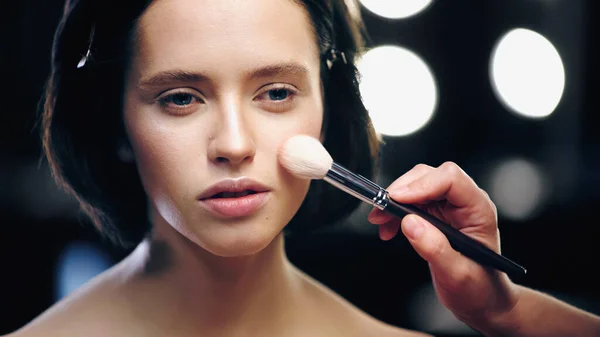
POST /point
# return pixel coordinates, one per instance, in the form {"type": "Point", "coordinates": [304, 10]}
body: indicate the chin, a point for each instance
{"type": "Point", "coordinates": [236, 241]}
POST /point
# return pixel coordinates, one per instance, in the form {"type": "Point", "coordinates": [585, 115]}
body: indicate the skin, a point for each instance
{"type": "Point", "coordinates": [201, 274]}
{"type": "Point", "coordinates": [230, 127]}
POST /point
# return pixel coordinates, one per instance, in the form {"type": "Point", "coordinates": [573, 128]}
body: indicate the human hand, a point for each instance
{"type": "Point", "coordinates": [475, 294]}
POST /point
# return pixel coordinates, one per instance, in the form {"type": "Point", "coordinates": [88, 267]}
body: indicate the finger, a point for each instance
{"type": "Point", "coordinates": [377, 216]}
{"type": "Point", "coordinates": [415, 173]}
{"type": "Point", "coordinates": [448, 182]}
{"type": "Point", "coordinates": [433, 247]}
{"type": "Point", "coordinates": [388, 230]}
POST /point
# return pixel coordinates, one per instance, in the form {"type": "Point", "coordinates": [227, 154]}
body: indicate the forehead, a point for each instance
{"type": "Point", "coordinates": [221, 33]}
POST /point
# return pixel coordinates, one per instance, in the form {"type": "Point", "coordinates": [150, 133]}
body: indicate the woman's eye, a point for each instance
{"type": "Point", "coordinates": [277, 98]}
{"type": "Point", "coordinates": [278, 94]}
{"type": "Point", "coordinates": [179, 99]}
{"type": "Point", "coordinates": [180, 103]}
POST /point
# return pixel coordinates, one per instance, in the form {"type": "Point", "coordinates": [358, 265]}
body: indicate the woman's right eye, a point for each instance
{"type": "Point", "coordinates": [180, 102]}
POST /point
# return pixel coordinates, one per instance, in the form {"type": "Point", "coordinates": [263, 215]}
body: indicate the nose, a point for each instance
{"type": "Point", "coordinates": [232, 142]}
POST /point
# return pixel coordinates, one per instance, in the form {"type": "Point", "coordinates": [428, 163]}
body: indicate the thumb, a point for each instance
{"type": "Point", "coordinates": [433, 246]}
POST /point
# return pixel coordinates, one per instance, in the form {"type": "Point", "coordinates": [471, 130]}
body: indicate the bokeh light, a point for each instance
{"type": "Point", "coordinates": [78, 263]}
{"type": "Point", "coordinates": [527, 73]}
{"type": "Point", "coordinates": [429, 314]}
{"type": "Point", "coordinates": [518, 188]}
{"type": "Point", "coordinates": [396, 9]}
{"type": "Point", "coordinates": [398, 89]}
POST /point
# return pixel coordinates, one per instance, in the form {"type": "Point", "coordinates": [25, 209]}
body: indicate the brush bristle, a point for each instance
{"type": "Point", "coordinates": [305, 157]}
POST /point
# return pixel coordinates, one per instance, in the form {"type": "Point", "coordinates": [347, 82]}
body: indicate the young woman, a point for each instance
{"type": "Point", "coordinates": [203, 93]}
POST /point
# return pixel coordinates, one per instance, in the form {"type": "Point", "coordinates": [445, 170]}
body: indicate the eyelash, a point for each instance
{"type": "Point", "coordinates": [166, 101]}
{"type": "Point", "coordinates": [278, 105]}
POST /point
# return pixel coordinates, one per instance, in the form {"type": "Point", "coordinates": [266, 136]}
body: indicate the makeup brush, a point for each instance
{"type": "Point", "coordinates": [305, 157]}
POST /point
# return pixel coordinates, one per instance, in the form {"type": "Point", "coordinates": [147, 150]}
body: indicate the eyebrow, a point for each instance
{"type": "Point", "coordinates": [178, 75]}
{"type": "Point", "coordinates": [284, 68]}
{"type": "Point", "coordinates": [170, 76]}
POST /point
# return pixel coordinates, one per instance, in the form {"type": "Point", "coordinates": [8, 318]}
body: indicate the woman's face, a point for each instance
{"type": "Point", "coordinates": [215, 87]}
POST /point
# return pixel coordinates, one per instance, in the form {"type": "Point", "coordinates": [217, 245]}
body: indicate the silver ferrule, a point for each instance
{"type": "Point", "coordinates": [357, 185]}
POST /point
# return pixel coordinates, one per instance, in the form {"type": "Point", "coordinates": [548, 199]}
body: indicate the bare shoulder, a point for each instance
{"type": "Point", "coordinates": [90, 311]}
{"type": "Point", "coordinates": [353, 321]}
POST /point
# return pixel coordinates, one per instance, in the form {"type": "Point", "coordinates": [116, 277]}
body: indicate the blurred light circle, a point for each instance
{"type": "Point", "coordinates": [78, 263]}
{"type": "Point", "coordinates": [395, 9]}
{"type": "Point", "coordinates": [527, 73]}
{"type": "Point", "coordinates": [429, 314]}
{"type": "Point", "coordinates": [518, 189]}
{"type": "Point", "coordinates": [398, 90]}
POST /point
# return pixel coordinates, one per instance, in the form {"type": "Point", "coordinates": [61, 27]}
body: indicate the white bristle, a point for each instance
{"type": "Point", "coordinates": [305, 157]}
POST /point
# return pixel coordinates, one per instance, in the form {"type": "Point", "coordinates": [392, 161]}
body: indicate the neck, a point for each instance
{"type": "Point", "coordinates": [246, 292]}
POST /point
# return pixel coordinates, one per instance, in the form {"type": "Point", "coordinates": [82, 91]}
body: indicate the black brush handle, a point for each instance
{"type": "Point", "coordinates": [474, 250]}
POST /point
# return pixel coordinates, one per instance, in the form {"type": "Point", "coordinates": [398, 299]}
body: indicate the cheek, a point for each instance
{"type": "Point", "coordinates": [309, 123]}
{"type": "Point", "coordinates": [164, 155]}
{"type": "Point", "coordinates": [306, 121]}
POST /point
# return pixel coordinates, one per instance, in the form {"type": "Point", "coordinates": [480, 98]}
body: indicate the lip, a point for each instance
{"type": "Point", "coordinates": [234, 207]}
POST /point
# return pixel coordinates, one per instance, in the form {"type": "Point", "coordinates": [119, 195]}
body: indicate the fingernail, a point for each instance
{"type": "Point", "coordinates": [413, 228]}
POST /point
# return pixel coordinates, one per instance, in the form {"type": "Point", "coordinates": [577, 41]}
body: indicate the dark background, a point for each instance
{"type": "Point", "coordinates": [559, 245]}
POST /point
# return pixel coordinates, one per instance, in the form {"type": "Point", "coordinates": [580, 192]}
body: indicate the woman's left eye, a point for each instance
{"type": "Point", "coordinates": [278, 94]}
{"type": "Point", "coordinates": [277, 99]}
